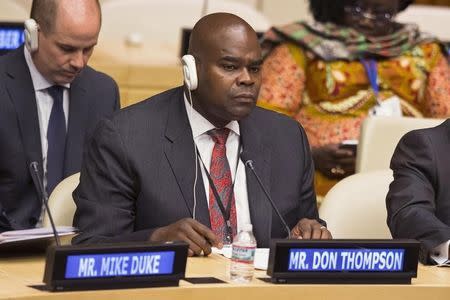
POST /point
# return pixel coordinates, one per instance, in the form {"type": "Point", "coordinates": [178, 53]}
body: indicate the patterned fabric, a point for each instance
{"type": "Point", "coordinates": [221, 177]}
{"type": "Point", "coordinates": [333, 42]}
{"type": "Point", "coordinates": [56, 137]}
{"type": "Point", "coordinates": [331, 98]}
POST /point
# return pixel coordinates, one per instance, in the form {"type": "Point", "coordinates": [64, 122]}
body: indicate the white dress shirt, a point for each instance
{"type": "Point", "coordinates": [200, 126]}
{"type": "Point", "coordinates": [44, 104]}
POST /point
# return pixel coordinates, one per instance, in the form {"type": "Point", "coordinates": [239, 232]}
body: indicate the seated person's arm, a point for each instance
{"type": "Point", "coordinates": [283, 80]}
{"type": "Point", "coordinates": [411, 199]}
{"type": "Point", "coordinates": [437, 86]}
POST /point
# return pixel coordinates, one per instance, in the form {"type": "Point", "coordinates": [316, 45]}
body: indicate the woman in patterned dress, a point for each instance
{"type": "Point", "coordinates": [320, 73]}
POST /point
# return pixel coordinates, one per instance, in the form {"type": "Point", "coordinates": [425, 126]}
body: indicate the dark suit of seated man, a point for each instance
{"type": "Point", "coordinates": [418, 201]}
{"type": "Point", "coordinates": [139, 172]}
{"type": "Point", "coordinates": [50, 100]}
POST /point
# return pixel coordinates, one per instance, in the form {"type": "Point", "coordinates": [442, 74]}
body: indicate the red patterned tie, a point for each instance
{"type": "Point", "coordinates": [221, 177]}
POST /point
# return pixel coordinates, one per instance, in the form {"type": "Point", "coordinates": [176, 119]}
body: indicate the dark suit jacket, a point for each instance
{"type": "Point", "coordinates": [418, 202]}
{"type": "Point", "coordinates": [138, 173]}
{"type": "Point", "coordinates": [93, 95]}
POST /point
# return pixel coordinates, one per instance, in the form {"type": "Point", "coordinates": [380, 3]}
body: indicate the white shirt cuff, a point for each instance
{"type": "Point", "coordinates": [440, 253]}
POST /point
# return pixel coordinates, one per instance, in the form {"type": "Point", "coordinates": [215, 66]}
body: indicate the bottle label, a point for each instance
{"type": "Point", "coordinates": [243, 254]}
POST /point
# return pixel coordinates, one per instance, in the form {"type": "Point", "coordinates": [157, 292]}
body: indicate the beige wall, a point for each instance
{"type": "Point", "coordinates": [286, 11]}
{"type": "Point", "coordinates": [277, 11]}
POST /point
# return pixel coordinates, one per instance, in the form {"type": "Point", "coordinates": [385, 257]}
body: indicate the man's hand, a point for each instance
{"type": "Point", "coordinates": [333, 161]}
{"type": "Point", "coordinates": [199, 237]}
{"type": "Point", "coordinates": [310, 229]}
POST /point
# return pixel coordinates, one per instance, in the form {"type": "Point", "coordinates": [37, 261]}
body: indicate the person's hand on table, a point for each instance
{"type": "Point", "coordinates": [310, 229]}
{"type": "Point", "coordinates": [333, 161]}
{"type": "Point", "coordinates": [199, 237]}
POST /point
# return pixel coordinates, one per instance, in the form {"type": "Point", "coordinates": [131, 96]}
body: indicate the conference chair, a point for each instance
{"type": "Point", "coordinates": [355, 207]}
{"type": "Point", "coordinates": [380, 135]}
{"type": "Point", "coordinates": [61, 203]}
{"type": "Point", "coordinates": [431, 19]}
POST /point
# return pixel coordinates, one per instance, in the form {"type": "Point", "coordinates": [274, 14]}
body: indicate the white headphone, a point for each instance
{"type": "Point", "coordinates": [189, 72]}
{"type": "Point", "coordinates": [31, 35]}
{"type": "Point", "coordinates": [191, 82]}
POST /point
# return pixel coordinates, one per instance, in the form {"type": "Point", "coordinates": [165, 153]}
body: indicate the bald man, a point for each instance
{"type": "Point", "coordinates": [143, 166]}
{"type": "Point", "coordinates": [49, 101]}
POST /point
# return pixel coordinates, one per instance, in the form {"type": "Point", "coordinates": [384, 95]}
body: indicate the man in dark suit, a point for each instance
{"type": "Point", "coordinates": [418, 202]}
{"type": "Point", "coordinates": [142, 169]}
{"type": "Point", "coordinates": [49, 101]}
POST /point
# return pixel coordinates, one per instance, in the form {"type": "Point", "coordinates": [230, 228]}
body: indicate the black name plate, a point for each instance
{"type": "Point", "coordinates": [343, 261]}
{"type": "Point", "coordinates": [115, 266]}
{"type": "Point", "coordinates": [11, 36]}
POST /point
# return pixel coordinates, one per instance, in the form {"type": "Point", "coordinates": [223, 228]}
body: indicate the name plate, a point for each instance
{"type": "Point", "coordinates": [343, 261]}
{"type": "Point", "coordinates": [115, 266]}
{"type": "Point", "coordinates": [11, 36]}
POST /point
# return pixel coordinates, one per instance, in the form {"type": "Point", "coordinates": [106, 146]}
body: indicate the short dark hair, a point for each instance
{"type": "Point", "coordinates": [404, 4]}
{"type": "Point", "coordinates": [44, 13]}
{"type": "Point", "coordinates": [333, 10]}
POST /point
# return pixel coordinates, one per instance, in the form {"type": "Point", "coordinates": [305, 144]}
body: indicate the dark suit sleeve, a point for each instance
{"type": "Point", "coordinates": [116, 97]}
{"type": "Point", "coordinates": [105, 197]}
{"type": "Point", "coordinates": [308, 201]}
{"type": "Point", "coordinates": [411, 198]}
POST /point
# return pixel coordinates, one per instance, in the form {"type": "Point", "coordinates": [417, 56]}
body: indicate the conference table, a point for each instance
{"type": "Point", "coordinates": [21, 278]}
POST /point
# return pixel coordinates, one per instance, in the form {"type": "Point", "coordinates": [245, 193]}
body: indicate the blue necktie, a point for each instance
{"type": "Point", "coordinates": [56, 137]}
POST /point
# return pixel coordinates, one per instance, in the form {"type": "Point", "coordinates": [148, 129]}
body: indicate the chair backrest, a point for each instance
{"type": "Point", "coordinates": [355, 207]}
{"type": "Point", "coordinates": [431, 19]}
{"type": "Point", "coordinates": [380, 135]}
{"type": "Point", "coordinates": [61, 203]}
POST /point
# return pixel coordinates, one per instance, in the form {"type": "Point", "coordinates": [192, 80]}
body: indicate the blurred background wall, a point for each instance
{"type": "Point", "coordinates": [278, 12]}
{"type": "Point", "coordinates": [275, 12]}
{"type": "Point", "coordinates": [140, 41]}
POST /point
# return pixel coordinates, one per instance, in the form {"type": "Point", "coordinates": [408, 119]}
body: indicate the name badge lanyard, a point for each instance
{"type": "Point", "coordinates": [370, 65]}
{"type": "Point", "coordinates": [226, 212]}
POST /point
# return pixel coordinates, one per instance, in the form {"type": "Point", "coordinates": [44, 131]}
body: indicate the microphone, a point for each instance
{"type": "Point", "coordinates": [39, 184]}
{"type": "Point", "coordinates": [249, 164]}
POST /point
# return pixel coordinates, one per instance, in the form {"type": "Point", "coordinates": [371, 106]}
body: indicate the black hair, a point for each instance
{"type": "Point", "coordinates": [404, 4]}
{"type": "Point", "coordinates": [333, 10]}
{"type": "Point", "coordinates": [44, 13]}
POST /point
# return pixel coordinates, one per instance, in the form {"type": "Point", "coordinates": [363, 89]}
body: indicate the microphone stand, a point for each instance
{"type": "Point", "coordinates": [249, 163]}
{"type": "Point", "coordinates": [38, 182]}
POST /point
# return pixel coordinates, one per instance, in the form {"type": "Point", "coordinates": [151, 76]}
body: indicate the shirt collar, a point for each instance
{"type": "Point", "coordinates": [200, 125]}
{"type": "Point", "coordinates": [39, 82]}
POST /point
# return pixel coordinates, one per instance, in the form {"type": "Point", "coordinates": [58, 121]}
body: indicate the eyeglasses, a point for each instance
{"type": "Point", "coordinates": [361, 13]}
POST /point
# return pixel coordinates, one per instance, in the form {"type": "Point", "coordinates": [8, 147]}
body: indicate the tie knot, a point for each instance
{"type": "Point", "coordinates": [56, 91]}
{"type": "Point", "coordinates": [219, 135]}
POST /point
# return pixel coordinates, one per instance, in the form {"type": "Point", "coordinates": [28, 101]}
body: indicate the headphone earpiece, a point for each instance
{"type": "Point", "coordinates": [189, 72]}
{"type": "Point", "coordinates": [31, 35]}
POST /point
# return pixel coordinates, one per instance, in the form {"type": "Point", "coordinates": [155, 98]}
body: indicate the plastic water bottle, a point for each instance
{"type": "Point", "coordinates": [243, 254]}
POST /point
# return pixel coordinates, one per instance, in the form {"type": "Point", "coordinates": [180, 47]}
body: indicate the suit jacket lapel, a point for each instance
{"type": "Point", "coordinates": [78, 119]}
{"type": "Point", "coordinates": [447, 124]}
{"type": "Point", "coordinates": [179, 150]}
{"type": "Point", "coordinates": [259, 206]}
{"type": "Point", "coordinates": [21, 90]}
